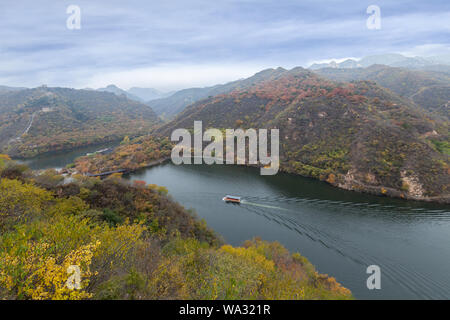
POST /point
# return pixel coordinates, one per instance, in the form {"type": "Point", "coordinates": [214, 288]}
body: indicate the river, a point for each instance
{"type": "Point", "coordinates": [60, 159]}
{"type": "Point", "coordinates": [340, 232]}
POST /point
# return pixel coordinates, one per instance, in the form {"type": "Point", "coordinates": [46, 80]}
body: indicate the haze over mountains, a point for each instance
{"type": "Point", "coordinates": [119, 92]}
{"type": "Point", "coordinates": [4, 89]}
{"type": "Point", "coordinates": [148, 94]}
{"type": "Point", "coordinates": [392, 59]}
{"type": "Point", "coordinates": [135, 93]}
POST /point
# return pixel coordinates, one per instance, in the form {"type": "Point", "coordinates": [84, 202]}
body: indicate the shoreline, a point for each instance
{"type": "Point", "coordinates": [361, 188]}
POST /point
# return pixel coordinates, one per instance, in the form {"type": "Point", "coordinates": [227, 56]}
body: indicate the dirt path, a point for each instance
{"type": "Point", "coordinates": [29, 125]}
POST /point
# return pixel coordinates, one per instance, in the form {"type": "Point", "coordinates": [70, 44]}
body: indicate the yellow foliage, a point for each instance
{"type": "Point", "coordinates": [5, 157]}
{"type": "Point", "coordinates": [159, 189]}
{"type": "Point", "coordinates": [117, 242]}
{"type": "Point", "coordinates": [116, 175]}
{"type": "Point", "coordinates": [169, 281]}
{"type": "Point", "coordinates": [45, 277]}
{"type": "Point", "coordinates": [331, 178]}
{"type": "Point", "coordinates": [251, 255]}
{"type": "Point", "coordinates": [18, 200]}
{"type": "Point", "coordinates": [43, 234]}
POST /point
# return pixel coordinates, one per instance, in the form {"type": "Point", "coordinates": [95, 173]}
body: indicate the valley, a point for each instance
{"type": "Point", "coordinates": [197, 155]}
{"type": "Point", "coordinates": [354, 135]}
{"type": "Point", "coordinates": [380, 131]}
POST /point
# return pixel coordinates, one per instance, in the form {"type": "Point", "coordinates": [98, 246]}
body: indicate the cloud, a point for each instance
{"type": "Point", "coordinates": [428, 50]}
{"type": "Point", "coordinates": [146, 42]}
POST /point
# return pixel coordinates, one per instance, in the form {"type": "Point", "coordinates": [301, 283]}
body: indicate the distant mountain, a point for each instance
{"type": "Point", "coordinates": [437, 68]}
{"type": "Point", "coordinates": [178, 101]}
{"type": "Point", "coordinates": [137, 94]}
{"type": "Point", "coordinates": [411, 84]}
{"type": "Point", "coordinates": [148, 94]}
{"type": "Point", "coordinates": [442, 59]}
{"type": "Point", "coordinates": [356, 136]}
{"type": "Point", "coordinates": [392, 59]}
{"type": "Point", "coordinates": [4, 89]}
{"type": "Point", "coordinates": [34, 121]}
{"type": "Point", "coordinates": [349, 63]}
{"type": "Point", "coordinates": [119, 92]}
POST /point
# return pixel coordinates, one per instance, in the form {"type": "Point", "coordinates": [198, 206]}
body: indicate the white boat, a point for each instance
{"type": "Point", "coordinates": [233, 199]}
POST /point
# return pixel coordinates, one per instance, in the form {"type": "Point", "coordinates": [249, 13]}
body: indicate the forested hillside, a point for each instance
{"type": "Point", "coordinates": [427, 89]}
{"type": "Point", "coordinates": [34, 121]}
{"type": "Point", "coordinates": [131, 241]}
{"type": "Point", "coordinates": [357, 136]}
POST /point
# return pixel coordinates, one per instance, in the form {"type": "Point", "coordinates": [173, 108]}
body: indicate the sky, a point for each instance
{"type": "Point", "coordinates": [175, 44]}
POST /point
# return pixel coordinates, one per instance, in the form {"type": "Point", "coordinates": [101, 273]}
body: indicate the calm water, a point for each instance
{"type": "Point", "coordinates": [60, 159]}
{"type": "Point", "coordinates": [340, 232]}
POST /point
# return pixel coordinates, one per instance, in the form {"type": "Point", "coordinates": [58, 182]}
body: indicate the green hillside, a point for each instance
{"type": "Point", "coordinates": [429, 90]}
{"type": "Point", "coordinates": [35, 121]}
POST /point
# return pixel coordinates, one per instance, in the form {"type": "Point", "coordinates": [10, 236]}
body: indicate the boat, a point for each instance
{"type": "Point", "coordinates": [232, 199]}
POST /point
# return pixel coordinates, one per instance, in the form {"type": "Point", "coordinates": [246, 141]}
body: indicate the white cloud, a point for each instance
{"type": "Point", "coordinates": [175, 44]}
{"type": "Point", "coordinates": [427, 50]}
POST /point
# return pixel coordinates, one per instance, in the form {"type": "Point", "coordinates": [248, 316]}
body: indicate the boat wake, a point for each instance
{"type": "Point", "coordinates": [419, 283]}
{"type": "Point", "coordinates": [262, 205]}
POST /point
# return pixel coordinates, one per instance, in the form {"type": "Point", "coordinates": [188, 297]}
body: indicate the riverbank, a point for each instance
{"type": "Point", "coordinates": [66, 149]}
{"type": "Point", "coordinates": [347, 182]}
{"type": "Point", "coordinates": [143, 151]}
{"type": "Point", "coordinates": [63, 159]}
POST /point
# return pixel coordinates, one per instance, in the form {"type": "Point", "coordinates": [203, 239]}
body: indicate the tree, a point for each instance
{"type": "Point", "coordinates": [125, 140]}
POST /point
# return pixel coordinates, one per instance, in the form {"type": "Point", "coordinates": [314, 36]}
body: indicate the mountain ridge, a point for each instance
{"type": "Point", "coordinates": [357, 136]}
{"type": "Point", "coordinates": [411, 84]}
{"type": "Point", "coordinates": [170, 106]}
{"type": "Point", "coordinates": [390, 59]}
